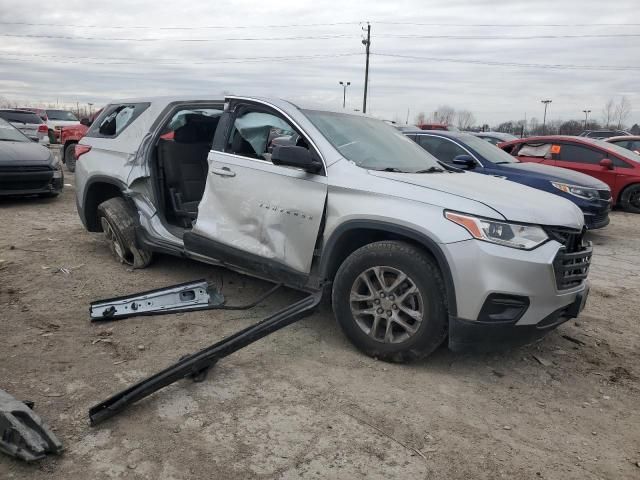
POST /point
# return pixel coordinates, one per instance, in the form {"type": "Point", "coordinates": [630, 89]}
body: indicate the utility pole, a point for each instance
{"type": "Point", "coordinates": [367, 44]}
{"type": "Point", "coordinates": [407, 122]}
{"type": "Point", "coordinates": [586, 117]}
{"type": "Point", "coordinates": [344, 92]}
{"type": "Point", "coordinates": [544, 119]}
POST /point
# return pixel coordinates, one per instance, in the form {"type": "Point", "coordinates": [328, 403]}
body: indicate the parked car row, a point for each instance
{"type": "Point", "coordinates": [466, 151]}
{"type": "Point", "coordinates": [412, 250]}
{"type": "Point", "coordinates": [26, 167]}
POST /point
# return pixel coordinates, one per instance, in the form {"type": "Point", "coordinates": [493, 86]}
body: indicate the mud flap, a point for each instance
{"type": "Point", "coordinates": [22, 433]}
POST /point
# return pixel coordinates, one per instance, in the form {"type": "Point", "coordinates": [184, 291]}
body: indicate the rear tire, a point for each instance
{"type": "Point", "coordinates": [389, 299]}
{"type": "Point", "coordinates": [630, 198]}
{"type": "Point", "coordinates": [118, 225]}
{"type": "Point", "coordinates": [70, 157]}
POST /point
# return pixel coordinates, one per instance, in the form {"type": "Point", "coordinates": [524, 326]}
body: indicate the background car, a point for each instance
{"type": "Point", "coordinates": [616, 166]}
{"type": "Point", "coordinates": [55, 120]}
{"type": "Point", "coordinates": [469, 152]}
{"type": "Point", "coordinates": [494, 137]}
{"type": "Point", "coordinates": [436, 126]}
{"type": "Point", "coordinates": [27, 168]}
{"type": "Point", "coordinates": [28, 123]}
{"type": "Point", "coordinates": [603, 133]}
{"type": "Point", "coordinates": [630, 142]}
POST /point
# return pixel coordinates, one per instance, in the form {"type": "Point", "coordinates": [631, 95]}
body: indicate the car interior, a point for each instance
{"type": "Point", "coordinates": [183, 148]}
{"type": "Point", "coordinates": [182, 152]}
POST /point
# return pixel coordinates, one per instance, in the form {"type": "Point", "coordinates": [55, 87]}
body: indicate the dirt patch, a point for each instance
{"type": "Point", "coordinates": [303, 402]}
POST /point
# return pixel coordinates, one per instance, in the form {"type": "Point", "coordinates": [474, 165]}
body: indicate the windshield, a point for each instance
{"type": "Point", "coordinates": [620, 151]}
{"type": "Point", "coordinates": [8, 133]}
{"type": "Point", "coordinates": [487, 150]}
{"type": "Point", "coordinates": [371, 143]}
{"type": "Point", "coordinates": [61, 115]}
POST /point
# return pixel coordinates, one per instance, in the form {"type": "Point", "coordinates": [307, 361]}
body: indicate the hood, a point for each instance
{"type": "Point", "coordinates": [513, 201]}
{"type": "Point", "coordinates": [557, 174]}
{"type": "Point", "coordinates": [23, 154]}
{"type": "Point", "coordinates": [62, 123]}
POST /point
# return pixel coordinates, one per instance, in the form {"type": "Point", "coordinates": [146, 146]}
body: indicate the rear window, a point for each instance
{"type": "Point", "coordinates": [20, 117]}
{"type": "Point", "coordinates": [115, 118]}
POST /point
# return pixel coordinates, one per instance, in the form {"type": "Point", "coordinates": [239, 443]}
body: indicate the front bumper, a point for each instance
{"type": "Point", "coordinates": [524, 284]}
{"type": "Point", "coordinates": [465, 335]}
{"type": "Point", "coordinates": [20, 182]}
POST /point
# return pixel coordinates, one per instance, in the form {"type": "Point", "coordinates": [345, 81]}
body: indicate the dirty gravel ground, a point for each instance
{"type": "Point", "coordinates": [303, 403]}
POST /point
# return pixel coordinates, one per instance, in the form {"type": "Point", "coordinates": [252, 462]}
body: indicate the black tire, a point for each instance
{"type": "Point", "coordinates": [630, 198]}
{"type": "Point", "coordinates": [118, 222]}
{"type": "Point", "coordinates": [421, 271]}
{"type": "Point", "coordinates": [70, 157]}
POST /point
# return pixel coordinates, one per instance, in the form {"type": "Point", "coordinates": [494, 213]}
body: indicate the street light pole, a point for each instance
{"type": "Point", "coordinates": [344, 92]}
{"type": "Point", "coordinates": [586, 117]}
{"type": "Point", "coordinates": [544, 119]}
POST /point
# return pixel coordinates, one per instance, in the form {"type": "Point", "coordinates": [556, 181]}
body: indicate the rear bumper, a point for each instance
{"type": "Point", "coordinates": [465, 335]}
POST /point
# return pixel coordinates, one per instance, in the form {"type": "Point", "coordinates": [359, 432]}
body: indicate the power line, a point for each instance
{"type": "Point", "coordinates": [509, 25]}
{"type": "Point", "coordinates": [164, 61]}
{"type": "Point", "coordinates": [510, 64]}
{"type": "Point", "coordinates": [195, 27]}
{"type": "Point", "coordinates": [169, 39]}
{"type": "Point", "coordinates": [507, 37]}
{"type": "Point", "coordinates": [231, 27]}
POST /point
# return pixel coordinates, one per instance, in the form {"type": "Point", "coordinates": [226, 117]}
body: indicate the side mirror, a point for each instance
{"type": "Point", "coordinates": [298, 157]}
{"type": "Point", "coordinates": [85, 122]}
{"type": "Point", "coordinates": [465, 161]}
{"type": "Point", "coordinates": [606, 163]}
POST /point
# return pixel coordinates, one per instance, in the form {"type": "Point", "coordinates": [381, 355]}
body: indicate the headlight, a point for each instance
{"type": "Point", "coordinates": [582, 192]}
{"type": "Point", "coordinates": [524, 237]}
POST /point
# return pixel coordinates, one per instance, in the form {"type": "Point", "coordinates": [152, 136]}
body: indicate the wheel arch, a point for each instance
{"type": "Point", "coordinates": [631, 184]}
{"type": "Point", "coordinates": [98, 190]}
{"type": "Point", "coordinates": [355, 234]}
{"type": "Point", "coordinates": [64, 149]}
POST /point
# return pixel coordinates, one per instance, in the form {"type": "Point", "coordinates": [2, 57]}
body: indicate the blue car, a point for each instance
{"type": "Point", "coordinates": [468, 152]}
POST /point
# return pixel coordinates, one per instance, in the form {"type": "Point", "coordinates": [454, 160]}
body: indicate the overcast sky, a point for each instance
{"type": "Point", "coordinates": [88, 64]}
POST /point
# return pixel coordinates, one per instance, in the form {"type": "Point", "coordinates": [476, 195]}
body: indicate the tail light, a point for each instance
{"type": "Point", "coordinates": [42, 128]}
{"type": "Point", "coordinates": [81, 150]}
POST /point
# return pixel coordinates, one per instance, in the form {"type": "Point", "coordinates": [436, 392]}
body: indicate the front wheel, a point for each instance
{"type": "Point", "coordinates": [70, 157]}
{"type": "Point", "coordinates": [630, 199]}
{"type": "Point", "coordinates": [389, 299]}
{"type": "Point", "coordinates": [117, 222]}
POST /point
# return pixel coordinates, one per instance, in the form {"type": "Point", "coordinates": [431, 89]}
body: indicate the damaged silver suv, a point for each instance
{"type": "Point", "coordinates": [412, 251]}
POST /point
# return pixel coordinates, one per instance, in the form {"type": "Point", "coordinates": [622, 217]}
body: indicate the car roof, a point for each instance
{"type": "Point", "coordinates": [622, 137]}
{"type": "Point", "coordinates": [443, 133]}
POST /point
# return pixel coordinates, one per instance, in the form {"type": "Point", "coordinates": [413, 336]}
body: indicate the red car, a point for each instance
{"type": "Point", "coordinates": [616, 166]}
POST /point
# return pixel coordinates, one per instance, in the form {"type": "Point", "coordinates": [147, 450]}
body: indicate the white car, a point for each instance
{"type": "Point", "coordinates": [30, 124]}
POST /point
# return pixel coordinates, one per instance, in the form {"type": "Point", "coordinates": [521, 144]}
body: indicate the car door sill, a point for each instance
{"type": "Point", "coordinates": [206, 249]}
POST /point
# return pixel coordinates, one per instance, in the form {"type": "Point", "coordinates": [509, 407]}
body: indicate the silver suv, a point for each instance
{"type": "Point", "coordinates": [412, 251]}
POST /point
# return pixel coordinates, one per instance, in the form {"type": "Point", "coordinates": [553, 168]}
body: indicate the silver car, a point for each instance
{"type": "Point", "coordinates": [411, 251]}
{"type": "Point", "coordinates": [30, 124]}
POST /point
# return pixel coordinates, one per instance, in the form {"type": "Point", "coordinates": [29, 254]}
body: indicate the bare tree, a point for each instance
{"type": "Point", "coordinates": [608, 112]}
{"type": "Point", "coordinates": [444, 114]}
{"type": "Point", "coordinates": [466, 119]}
{"type": "Point", "coordinates": [623, 109]}
{"type": "Point", "coordinates": [420, 118]}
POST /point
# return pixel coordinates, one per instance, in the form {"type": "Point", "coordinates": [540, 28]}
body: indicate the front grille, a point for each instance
{"type": "Point", "coordinates": [571, 265]}
{"type": "Point", "coordinates": [604, 194]}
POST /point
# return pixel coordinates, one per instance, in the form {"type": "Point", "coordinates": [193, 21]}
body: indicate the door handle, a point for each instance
{"type": "Point", "coordinates": [223, 172]}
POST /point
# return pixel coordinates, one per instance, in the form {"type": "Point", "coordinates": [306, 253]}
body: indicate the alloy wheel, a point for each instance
{"type": "Point", "coordinates": [386, 304]}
